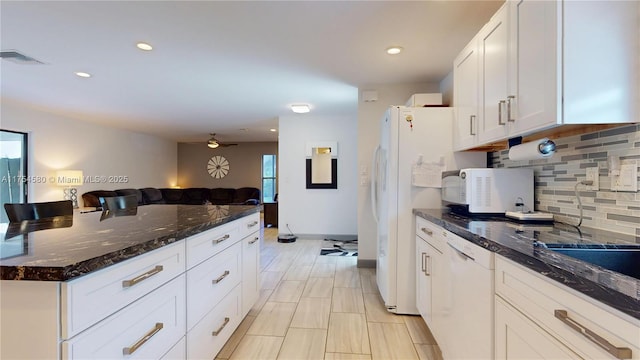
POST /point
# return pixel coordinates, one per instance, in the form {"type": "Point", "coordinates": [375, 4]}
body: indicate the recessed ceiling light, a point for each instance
{"type": "Point", "coordinates": [300, 109]}
{"type": "Point", "coordinates": [144, 46]}
{"type": "Point", "coordinates": [83, 74]}
{"type": "Point", "coordinates": [273, 130]}
{"type": "Point", "coordinates": [394, 50]}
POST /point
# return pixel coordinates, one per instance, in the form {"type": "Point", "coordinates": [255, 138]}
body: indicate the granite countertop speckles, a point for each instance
{"type": "Point", "coordinates": [518, 242]}
{"type": "Point", "coordinates": [63, 248]}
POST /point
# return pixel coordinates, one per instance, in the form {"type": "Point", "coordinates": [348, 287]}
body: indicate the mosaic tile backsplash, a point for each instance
{"type": "Point", "coordinates": [556, 177]}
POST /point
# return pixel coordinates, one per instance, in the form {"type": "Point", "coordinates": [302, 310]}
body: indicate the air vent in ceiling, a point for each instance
{"type": "Point", "coordinates": [18, 58]}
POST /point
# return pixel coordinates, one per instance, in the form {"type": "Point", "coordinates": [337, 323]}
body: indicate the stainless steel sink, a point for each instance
{"type": "Point", "coordinates": [624, 259]}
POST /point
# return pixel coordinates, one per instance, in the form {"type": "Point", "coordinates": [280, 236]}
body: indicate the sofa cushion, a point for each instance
{"type": "Point", "coordinates": [172, 196]}
{"type": "Point", "coordinates": [152, 196]}
{"type": "Point", "coordinates": [221, 196]}
{"type": "Point", "coordinates": [136, 192]}
{"type": "Point", "coordinates": [247, 195]}
{"type": "Point", "coordinates": [195, 196]}
{"type": "Point", "coordinates": [92, 198]}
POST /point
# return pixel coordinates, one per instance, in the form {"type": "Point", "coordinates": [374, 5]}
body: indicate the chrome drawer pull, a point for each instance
{"type": "Point", "coordinates": [252, 224]}
{"type": "Point", "coordinates": [471, 118]}
{"type": "Point", "coordinates": [149, 335]}
{"type": "Point", "coordinates": [254, 240]}
{"type": "Point", "coordinates": [226, 321]}
{"type": "Point", "coordinates": [422, 267]}
{"type": "Point", "coordinates": [224, 275]}
{"type": "Point", "coordinates": [139, 278]}
{"type": "Point", "coordinates": [427, 231]}
{"type": "Point", "coordinates": [509, 117]}
{"type": "Point", "coordinates": [618, 352]}
{"type": "Point", "coordinates": [218, 241]}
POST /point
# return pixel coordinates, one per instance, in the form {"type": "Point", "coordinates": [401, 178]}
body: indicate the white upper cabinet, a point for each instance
{"type": "Point", "coordinates": [466, 83]}
{"type": "Point", "coordinates": [547, 63]}
{"type": "Point", "coordinates": [493, 41]}
{"type": "Point", "coordinates": [533, 76]}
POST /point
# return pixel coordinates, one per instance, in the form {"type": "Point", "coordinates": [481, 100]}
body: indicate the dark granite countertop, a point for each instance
{"type": "Point", "coordinates": [66, 247]}
{"type": "Point", "coordinates": [521, 243]}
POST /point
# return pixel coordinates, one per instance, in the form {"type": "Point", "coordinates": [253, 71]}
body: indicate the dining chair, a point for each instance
{"type": "Point", "coordinates": [17, 212]}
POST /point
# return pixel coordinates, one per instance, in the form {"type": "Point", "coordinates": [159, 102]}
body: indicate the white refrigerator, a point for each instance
{"type": "Point", "coordinates": [415, 143]}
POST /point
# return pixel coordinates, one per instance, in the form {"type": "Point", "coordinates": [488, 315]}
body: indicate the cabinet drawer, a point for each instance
{"type": "Point", "coordinates": [204, 245]}
{"type": "Point", "coordinates": [249, 224]}
{"type": "Point", "coordinates": [431, 233]}
{"type": "Point", "coordinates": [210, 281]}
{"type": "Point", "coordinates": [563, 312]}
{"type": "Point", "coordinates": [147, 329]}
{"type": "Point", "coordinates": [206, 339]}
{"type": "Point", "coordinates": [93, 297]}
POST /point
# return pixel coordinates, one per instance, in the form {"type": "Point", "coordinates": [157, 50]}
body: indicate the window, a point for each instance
{"type": "Point", "coordinates": [268, 178]}
{"type": "Point", "coordinates": [13, 169]}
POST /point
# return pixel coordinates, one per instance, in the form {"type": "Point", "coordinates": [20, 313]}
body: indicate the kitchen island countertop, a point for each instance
{"type": "Point", "coordinates": [67, 247]}
{"type": "Point", "coordinates": [518, 242]}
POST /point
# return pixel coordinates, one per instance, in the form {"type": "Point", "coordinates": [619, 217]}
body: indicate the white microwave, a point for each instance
{"type": "Point", "coordinates": [488, 191]}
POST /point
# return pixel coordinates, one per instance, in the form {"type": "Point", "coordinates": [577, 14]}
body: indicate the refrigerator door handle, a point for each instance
{"type": "Point", "coordinates": [374, 182]}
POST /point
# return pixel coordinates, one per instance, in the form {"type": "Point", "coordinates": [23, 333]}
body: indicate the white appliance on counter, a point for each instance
{"type": "Point", "coordinates": [415, 145]}
{"type": "Point", "coordinates": [489, 191]}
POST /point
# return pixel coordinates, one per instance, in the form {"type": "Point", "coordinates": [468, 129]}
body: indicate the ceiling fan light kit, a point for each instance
{"type": "Point", "coordinates": [214, 143]}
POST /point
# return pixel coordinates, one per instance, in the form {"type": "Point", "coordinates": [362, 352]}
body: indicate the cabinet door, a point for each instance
{"type": "Point", "coordinates": [517, 337]}
{"type": "Point", "coordinates": [534, 83]}
{"type": "Point", "coordinates": [423, 281]}
{"type": "Point", "coordinates": [250, 271]}
{"type": "Point", "coordinates": [465, 96]}
{"type": "Point", "coordinates": [493, 43]}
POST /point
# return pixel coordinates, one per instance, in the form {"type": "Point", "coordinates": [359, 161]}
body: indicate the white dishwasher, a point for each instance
{"type": "Point", "coordinates": [468, 322]}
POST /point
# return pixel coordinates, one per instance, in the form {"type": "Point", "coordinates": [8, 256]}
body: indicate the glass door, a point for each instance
{"type": "Point", "coordinates": [13, 169]}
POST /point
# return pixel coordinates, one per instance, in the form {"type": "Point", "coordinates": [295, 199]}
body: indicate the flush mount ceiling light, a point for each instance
{"type": "Point", "coordinates": [144, 46]}
{"type": "Point", "coordinates": [83, 74]}
{"type": "Point", "coordinates": [300, 108]}
{"type": "Point", "coordinates": [273, 130]}
{"type": "Point", "coordinates": [394, 50]}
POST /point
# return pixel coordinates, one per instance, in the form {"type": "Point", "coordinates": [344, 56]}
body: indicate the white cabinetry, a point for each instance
{"type": "Point", "coordinates": [493, 43]}
{"type": "Point", "coordinates": [250, 271]}
{"type": "Point", "coordinates": [538, 318]}
{"type": "Point", "coordinates": [466, 88]}
{"type": "Point", "coordinates": [429, 276]}
{"type": "Point", "coordinates": [548, 63]}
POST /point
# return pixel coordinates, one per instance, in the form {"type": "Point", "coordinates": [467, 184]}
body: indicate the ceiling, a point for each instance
{"type": "Point", "coordinates": [224, 66]}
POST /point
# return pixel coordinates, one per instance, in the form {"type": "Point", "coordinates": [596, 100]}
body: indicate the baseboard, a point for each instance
{"type": "Point", "coordinates": [365, 263]}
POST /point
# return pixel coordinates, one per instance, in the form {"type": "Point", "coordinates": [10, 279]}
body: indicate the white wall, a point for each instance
{"type": "Point", "coordinates": [369, 115]}
{"type": "Point", "coordinates": [57, 142]}
{"type": "Point", "coordinates": [317, 211]}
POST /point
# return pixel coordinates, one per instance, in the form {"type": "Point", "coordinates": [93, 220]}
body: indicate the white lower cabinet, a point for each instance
{"type": "Point", "coordinates": [250, 271]}
{"type": "Point", "coordinates": [537, 312]}
{"type": "Point", "coordinates": [146, 329]}
{"type": "Point", "coordinates": [517, 337]}
{"type": "Point", "coordinates": [206, 339]}
{"type": "Point", "coordinates": [211, 281]}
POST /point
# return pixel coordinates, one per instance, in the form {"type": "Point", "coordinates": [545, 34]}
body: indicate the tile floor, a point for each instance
{"type": "Point", "coordinates": [323, 307]}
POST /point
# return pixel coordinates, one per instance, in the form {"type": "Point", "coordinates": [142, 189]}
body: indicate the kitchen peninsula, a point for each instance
{"type": "Point", "coordinates": [169, 281]}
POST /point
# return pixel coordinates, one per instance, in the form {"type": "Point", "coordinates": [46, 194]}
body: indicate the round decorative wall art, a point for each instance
{"type": "Point", "coordinates": [218, 167]}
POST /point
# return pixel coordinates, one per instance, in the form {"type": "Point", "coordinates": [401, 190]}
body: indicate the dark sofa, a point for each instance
{"type": "Point", "coordinates": [187, 196]}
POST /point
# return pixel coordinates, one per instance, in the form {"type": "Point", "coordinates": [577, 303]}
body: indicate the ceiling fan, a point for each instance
{"type": "Point", "coordinates": [214, 143]}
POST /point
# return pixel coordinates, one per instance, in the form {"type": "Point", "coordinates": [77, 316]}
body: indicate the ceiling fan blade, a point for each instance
{"type": "Point", "coordinates": [226, 145]}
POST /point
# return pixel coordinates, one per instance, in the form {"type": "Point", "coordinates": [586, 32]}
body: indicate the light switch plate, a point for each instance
{"type": "Point", "coordinates": [628, 178]}
{"type": "Point", "coordinates": [593, 175]}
